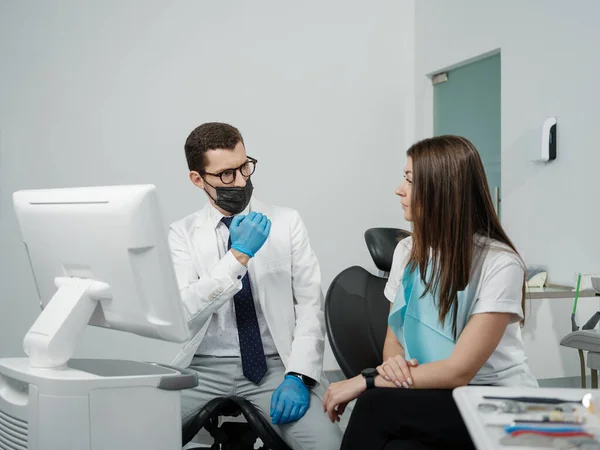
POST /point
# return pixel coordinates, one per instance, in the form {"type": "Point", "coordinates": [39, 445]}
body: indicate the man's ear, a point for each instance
{"type": "Point", "coordinates": [197, 179]}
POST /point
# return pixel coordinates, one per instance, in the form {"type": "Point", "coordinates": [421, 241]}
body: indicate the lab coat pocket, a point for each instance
{"type": "Point", "coordinates": [278, 264]}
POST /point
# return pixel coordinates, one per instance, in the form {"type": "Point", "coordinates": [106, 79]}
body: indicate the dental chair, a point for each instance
{"type": "Point", "coordinates": [356, 310]}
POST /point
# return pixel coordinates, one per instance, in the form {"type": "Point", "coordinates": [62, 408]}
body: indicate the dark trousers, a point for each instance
{"type": "Point", "coordinates": [406, 419]}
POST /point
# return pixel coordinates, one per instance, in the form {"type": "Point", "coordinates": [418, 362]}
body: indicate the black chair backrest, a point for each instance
{"type": "Point", "coordinates": [381, 243]}
{"type": "Point", "coordinates": [356, 313]}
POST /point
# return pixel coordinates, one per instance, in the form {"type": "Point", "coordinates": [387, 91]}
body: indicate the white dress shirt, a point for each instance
{"type": "Point", "coordinates": [221, 337]}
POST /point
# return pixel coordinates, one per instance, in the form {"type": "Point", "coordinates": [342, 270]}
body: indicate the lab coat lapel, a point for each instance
{"type": "Point", "coordinates": [205, 241]}
{"type": "Point", "coordinates": [254, 266]}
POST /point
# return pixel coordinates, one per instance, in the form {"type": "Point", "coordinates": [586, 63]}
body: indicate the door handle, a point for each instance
{"type": "Point", "coordinates": [497, 199]}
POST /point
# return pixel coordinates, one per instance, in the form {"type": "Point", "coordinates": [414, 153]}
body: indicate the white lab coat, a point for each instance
{"type": "Point", "coordinates": [284, 274]}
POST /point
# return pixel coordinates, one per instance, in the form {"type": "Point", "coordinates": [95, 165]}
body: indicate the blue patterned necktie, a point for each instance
{"type": "Point", "coordinates": [254, 364]}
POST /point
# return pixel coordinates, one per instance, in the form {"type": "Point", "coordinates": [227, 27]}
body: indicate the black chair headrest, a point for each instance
{"type": "Point", "coordinates": [381, 243]}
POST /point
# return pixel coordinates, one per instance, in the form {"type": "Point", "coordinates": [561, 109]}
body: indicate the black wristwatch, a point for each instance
{"type": "Point", "coordinates": [308, 382]}
{"type": "Point", "coordinates": [369, 375]}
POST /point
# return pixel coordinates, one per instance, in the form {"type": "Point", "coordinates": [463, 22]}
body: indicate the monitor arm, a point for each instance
{"type": "Point", "coordinates": [51, 341]}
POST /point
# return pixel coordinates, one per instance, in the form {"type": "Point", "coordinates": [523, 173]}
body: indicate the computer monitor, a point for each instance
{"type": "Point", "coordinates": [99, 256]}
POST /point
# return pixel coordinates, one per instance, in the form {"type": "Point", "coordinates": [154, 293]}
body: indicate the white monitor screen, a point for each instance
{"type": "Point", "coordinates": [113, 235]}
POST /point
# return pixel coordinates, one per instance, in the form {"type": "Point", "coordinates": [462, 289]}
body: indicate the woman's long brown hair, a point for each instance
{"type": "Point", "coordinates": [451, 203]}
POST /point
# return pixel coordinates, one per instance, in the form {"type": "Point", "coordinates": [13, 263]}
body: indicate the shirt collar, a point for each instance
{"type": "Point", "coordinates": [216, 215]}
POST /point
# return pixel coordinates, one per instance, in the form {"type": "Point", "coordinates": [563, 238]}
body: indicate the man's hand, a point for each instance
{"type": "Point", "coordinates": [290, 401]}
{"type": "Point", "coordinates": [340, 394]}
{"type": "Point", "coordinates": [397, 370]}
{"type": "Point", "coordinates": [249, 233]}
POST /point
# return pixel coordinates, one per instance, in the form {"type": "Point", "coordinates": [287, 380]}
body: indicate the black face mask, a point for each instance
{"type": "Point", "coordinates": [232, 199]}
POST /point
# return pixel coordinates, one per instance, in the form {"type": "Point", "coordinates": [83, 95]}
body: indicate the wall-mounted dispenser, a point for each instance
{"type": "Point", "coordinates": [548, 148]}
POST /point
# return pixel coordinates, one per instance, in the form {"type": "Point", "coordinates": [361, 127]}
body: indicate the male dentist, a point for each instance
{"type": "Point", "coordinates": [251, 289]}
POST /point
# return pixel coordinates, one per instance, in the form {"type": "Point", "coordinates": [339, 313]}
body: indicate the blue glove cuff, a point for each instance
{"type": "Point", "coordinates": [296, 379]}
{"type": "Point", "coordinates": [243, 250]}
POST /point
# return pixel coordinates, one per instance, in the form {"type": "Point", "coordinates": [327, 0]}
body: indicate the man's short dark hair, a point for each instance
{"type": "Point", "coordinates": [209, 136]}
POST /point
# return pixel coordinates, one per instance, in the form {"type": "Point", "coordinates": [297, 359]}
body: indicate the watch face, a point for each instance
{"type": "Point", "coordinates": [369, 372]}
{"type": "Point", "coordinates": [309, 382]}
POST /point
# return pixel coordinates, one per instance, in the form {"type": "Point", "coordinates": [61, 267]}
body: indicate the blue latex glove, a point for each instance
{"type": "Point", "coordinates": [290, 401]}
{"type": "Point", "coordinates": [249, 233]}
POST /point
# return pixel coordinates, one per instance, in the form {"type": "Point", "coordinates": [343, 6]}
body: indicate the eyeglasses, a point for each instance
{"type": "Point", "coordinates": [228, 175]}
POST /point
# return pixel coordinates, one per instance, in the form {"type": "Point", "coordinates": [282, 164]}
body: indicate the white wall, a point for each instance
{"type": "Point", "coordinates": [550, 62]}
{"type": "Point", "coordinates": [106, 93]}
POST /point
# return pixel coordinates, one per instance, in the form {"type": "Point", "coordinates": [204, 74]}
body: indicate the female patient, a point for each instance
{"type": "Point", "coordinates": [457, 288]}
